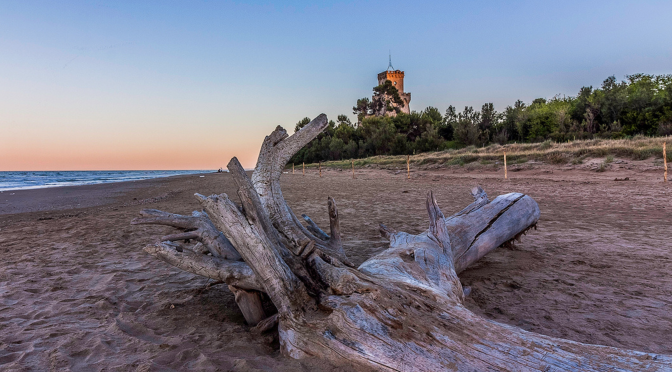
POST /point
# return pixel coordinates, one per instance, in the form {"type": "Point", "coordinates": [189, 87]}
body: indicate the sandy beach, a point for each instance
{"type": "Point", "coordinates": [78, 293]}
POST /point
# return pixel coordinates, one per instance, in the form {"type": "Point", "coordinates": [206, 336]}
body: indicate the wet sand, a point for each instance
{"type": "Point", "coordinates": [78, 293]}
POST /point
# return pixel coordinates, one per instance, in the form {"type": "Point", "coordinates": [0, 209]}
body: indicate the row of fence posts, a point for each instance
{"type": "Point", "coordinates": [304, 169]}
{"type": "Point", "coordinates": [506, 174]}
{"type": "Point", "coordinates": [352, 163]}
{"type": "Point", "coordinates": [664, 163]}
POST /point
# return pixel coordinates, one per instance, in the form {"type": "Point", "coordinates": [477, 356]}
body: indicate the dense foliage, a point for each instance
{"type": "Point", "coordinates": [642, 104]}
{"type": "Point", "coordinates": [386, 98]}
{"type": "Point", "coordinates": [403, 134]}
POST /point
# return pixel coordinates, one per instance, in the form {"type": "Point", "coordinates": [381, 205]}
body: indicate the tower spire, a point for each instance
{"type": "Point", "coordinates": [389, 67]}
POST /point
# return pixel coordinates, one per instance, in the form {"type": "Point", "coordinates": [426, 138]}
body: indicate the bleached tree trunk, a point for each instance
{"type": "Point", "coordinates": [401, 309]}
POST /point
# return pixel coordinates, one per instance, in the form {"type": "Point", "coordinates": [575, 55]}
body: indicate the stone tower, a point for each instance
{"type": "Point", "coordinates": [395, 76]}
{"type": "Point", "coordinates": [397, 79]}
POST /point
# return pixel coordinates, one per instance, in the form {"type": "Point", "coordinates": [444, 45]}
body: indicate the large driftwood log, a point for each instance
{"type": "Point", "coordinates": [401, 309]}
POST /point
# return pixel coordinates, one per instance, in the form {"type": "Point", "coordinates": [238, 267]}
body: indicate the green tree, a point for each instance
{"type": "Point", "coordinates": [614, 100]}
{"type": "Point", "coordinates": [400, 145]}
{"type": "Point", "coordinates": [465, 127]}
{"type": "Point", "coordinates": [350, 150]}
{"type": "Point", "coordinates": [302, 123]}
{"type": "Point", "coordinates": [362, 108]}
{"type": "Point", "coordinates": [384, 95]}
{"type": "Point", "coordinates": [446, 129]}
{"type": "Point", "coordinates": [490, 118]}
{"type": "Point", "coordinates": [343, 120]}
{"type": "Point", "coordinates": [379, 133]}
{"type": "Point", "coordinates": [430, 140]}
{"type": "Point", "coordinates": [336, 148]}
{"type": "Point", "coordinates": [432, 114]}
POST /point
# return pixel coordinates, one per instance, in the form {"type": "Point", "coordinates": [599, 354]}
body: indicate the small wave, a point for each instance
{"type": "Point", "coordinates": [35, 180]}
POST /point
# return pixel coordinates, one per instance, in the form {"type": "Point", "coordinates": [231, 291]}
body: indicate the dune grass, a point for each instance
{"type": "Point", "coordinates": [636, 148]}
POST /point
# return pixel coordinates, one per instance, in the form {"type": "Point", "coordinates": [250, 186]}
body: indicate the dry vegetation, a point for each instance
{"type": "Point", "coordinates": [636, 148]}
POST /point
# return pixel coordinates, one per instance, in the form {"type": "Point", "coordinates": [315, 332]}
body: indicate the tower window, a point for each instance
{"type": "Point", "coordinates": [395, 83]}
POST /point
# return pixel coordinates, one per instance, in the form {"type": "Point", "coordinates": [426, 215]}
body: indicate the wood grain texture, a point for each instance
{"type": "Point", "coordinates": [401, 310]}
{"type": "Point", "coordinates": [236, 273]}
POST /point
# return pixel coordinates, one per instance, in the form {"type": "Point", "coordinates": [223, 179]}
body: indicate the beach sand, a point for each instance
{"type": "Point", "coordinates": [78, 293]}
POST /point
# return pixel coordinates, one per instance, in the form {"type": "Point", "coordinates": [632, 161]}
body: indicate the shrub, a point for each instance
{"type": "Point", "coordinates": [451, 145]}
{"type": "Point", "coordinates": [555, 157]}
{"type": "Point", "coordinates": [665, 129]}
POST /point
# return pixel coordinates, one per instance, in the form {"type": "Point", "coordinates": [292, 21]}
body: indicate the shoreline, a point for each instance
{"type": "Point", "coordinates": [104, 177]}
{"type": "Point", "coordinates": [58, 198]}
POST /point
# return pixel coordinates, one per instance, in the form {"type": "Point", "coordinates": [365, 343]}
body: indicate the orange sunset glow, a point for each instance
{"type": "Point", "coordinates": [63, 150]}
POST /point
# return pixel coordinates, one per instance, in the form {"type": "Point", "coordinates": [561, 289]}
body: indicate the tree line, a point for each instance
{"type": "Point", "coordinates": [640, 104]}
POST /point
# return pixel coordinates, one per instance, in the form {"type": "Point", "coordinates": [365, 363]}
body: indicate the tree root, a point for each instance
{"type": "Point", "coordinates": [399, 310]}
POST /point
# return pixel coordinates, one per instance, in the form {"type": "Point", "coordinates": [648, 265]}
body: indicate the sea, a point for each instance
{"type": "Point", "coordinates": [37, 180]}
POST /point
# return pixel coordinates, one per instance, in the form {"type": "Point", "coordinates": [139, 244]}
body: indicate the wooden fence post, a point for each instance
{"type": "Point", "coordinates": [408, 167]}
{"type": "Point", "coordinates": [304, 168]}
{"type": "Point", "coordinates": [292, 168]}
{"type": "Point", "coordinates": [320, 165]}
{"type": "Point", "coordinates": [353, 168]}
{"type": "Point", "coordinates": [506, 175]}
{"type": "Point", "coordinates": [665, 162]}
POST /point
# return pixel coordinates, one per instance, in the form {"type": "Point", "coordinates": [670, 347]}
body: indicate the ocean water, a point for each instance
{"type": "Point", "coordinates": [37, 180]}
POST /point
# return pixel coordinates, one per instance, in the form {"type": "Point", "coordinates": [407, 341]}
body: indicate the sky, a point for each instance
{"type": "Point", "coordinates": [120, 85]}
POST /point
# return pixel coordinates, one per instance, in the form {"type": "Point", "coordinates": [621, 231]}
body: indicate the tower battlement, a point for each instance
{"type": "Point", "coordinates": [395, 76]}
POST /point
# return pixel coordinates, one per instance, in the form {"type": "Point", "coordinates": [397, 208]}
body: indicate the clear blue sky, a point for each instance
{"type": "Point", "coordinates": [173, 85]}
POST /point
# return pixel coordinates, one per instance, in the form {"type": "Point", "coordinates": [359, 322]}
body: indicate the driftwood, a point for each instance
{"type": "Point", "coordinates": [400, 310]}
